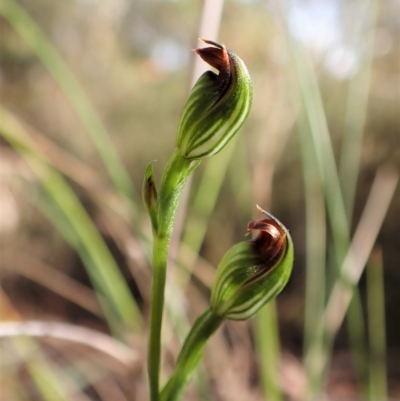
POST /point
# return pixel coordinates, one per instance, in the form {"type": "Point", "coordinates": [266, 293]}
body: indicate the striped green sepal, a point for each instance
{"type": "Point", "coordinates": [217, 106]}
{"type": "Point", "coordinates": [253, 272]}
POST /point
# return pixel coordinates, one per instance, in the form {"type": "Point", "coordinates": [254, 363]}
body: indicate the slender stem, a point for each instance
{"type": "Point", "coordinates": [191, 353]}
{"type": "Point", "coordinates": [160, 258]}
{"type": "Point", "coordinates": [175, 175]}
{"type": "Point", "coordinates": [269, 351]}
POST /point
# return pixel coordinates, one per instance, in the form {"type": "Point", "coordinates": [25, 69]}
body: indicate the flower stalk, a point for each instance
{"type": "Point", "coordinates": [217, 107]}
{"type": "Point", "coordinates": [191, 353]}
{"type": "Point", "coordinates": [175, 175]}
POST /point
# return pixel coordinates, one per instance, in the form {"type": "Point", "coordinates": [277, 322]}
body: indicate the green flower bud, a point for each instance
{"type": "Point", "coordinates": [217, 106]}
{"type": "Point", "coordinates": [253, 272]}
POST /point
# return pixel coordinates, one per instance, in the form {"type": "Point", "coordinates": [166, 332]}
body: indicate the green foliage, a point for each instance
{"type": "Point", "coordinates": [77, 227]}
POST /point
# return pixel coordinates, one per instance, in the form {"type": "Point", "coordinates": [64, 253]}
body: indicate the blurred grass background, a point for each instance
{"type": "Point", "coordinates": [92, 91]}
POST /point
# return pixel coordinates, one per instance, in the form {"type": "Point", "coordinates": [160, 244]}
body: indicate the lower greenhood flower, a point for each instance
{"type": "Point", "coordinates": [217, 106]}
{"type": "Point", "coordinates": [253, 272]}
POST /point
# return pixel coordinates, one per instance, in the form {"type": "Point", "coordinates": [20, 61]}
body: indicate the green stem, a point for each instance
{"type": "Point", "coordinates": [175, 175]}
{"type": "Point", "coordinates": [160, 258]}
{"type": "Point", "coordinates": [191, 353]}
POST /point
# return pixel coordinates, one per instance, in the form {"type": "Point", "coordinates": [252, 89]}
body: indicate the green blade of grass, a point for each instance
{"type": "Point", "coordinates": [46, 378]}
{"type": "Point", "coordinates": [21, 21]}
{"type": "Point", "coordinates": [319, 153]}
{"type": "Point", "coordinates": [365, 235]}
{"type": "Point", "coordinates": [334, 200]}
{"type": "Point", "coordinates": [357, 105]}
{"type": "Point", "coordinates": [268, 345]}
{"type": "Point", "coordinates": [325, 159]}
{"type": "Point", "coordinates": [321, 341]}
{"type": "Point", "coordinates": [339, 204]}
{"type": "Point", "coordinates": [353, 133]}
{"type": "Point", "coordinates": [316, 239]}
{"type": "Point", "coordinates": [80, 231]}
{"type": "Point", "coordinates": [308, 97]}
{"type": "Point", "coordinates": [376, 328]}
{"type": "Point", "coordinates": [62, 224]}
{"type": "Point", "coordinates": [358, 341]}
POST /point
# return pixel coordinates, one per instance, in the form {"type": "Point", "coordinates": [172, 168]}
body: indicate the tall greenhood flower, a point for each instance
{"type": "Point", "coordinates": [253, 272]}
{"type": "Point", "coordinates": [217, 106]}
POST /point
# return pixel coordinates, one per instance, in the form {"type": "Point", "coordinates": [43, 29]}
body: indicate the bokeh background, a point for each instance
{"type": "Point", "coordinates": [91, 92]}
